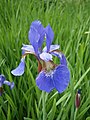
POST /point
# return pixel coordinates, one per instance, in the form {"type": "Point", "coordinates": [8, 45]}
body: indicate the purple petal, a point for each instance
{"type": "Point", "coordinates": [44, 82]}
{"type": "Point", "coordinates": [23, 52]}
{"type": "Point", "coordinates": [7, 83]}
{"type": "Point", "coordinates": [38, 26]}
{"type": "Point", "coordinates": [2, 79]}
{"type": "Point", "coordinates": [61, 78]}
{"type": "Point", "coordinates": [40, 29]}
{"type": "Point", "coordinates": [46, 56]}
{"type": "Point", "coordinates": [28, 48]}
{"type": "Point", "coordinates": [61, 56]}
{"type": "Point", "coordinates": [49, 36]}
{"type": "Point", "coordinates": [34, 37]}
{"type": "Point", "coordinates": [20, 69]}
{"type": "Point", "coordinates": [11, 84]}
{"type": "Point", "coordinates": [52, 48]}
{"type": "Point", "coordinates": [63, 60]}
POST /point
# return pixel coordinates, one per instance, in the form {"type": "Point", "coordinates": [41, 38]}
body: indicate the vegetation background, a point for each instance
{"type": "Point", "coordinates": [70, 21]}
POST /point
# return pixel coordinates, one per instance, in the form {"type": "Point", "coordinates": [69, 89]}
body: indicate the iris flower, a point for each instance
{"type": "Point", "coordinates": [50, 74]}
{"type": "Point", "coordinates": [4, 81]}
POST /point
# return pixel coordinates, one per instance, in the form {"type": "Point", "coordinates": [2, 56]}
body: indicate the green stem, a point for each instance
{"type": "Point", "coordinates": [43, 102]}
{"type": "Point", "coordinates": [75, 114]}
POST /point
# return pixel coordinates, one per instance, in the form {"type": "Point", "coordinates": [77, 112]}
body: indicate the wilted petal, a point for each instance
{"type": "Point", "coordinates": [52, 48]}
{"type": "Point", "coordinates": [28, 48]}
{"type": "Point", "coordinates": [46, 56]}
{"type": "Point", "coordinates": [44, 82]}
{"type": "Point", "coordinates": [34, 37]}
{"type": "Point", "coordinates": [20, 69]}
{"type": "Point", "coordinates": [49, 36]}
{"type": "Point", "coordinates": [61, 78]}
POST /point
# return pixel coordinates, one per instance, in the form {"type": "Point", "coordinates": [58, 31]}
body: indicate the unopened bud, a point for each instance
{"type": "Point", "coordinates": [77, 101]}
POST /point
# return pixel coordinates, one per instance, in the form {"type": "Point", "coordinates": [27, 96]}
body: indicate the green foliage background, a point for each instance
{"type": "Point", "coordinates": [69, 19]}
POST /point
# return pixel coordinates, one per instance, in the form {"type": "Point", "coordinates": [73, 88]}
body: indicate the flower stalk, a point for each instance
{"type": "Point", "coordinates": [43, 103]}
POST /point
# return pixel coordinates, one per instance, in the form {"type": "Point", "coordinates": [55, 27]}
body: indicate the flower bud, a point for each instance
{"type": "Point", "coordinates": [77, 101]}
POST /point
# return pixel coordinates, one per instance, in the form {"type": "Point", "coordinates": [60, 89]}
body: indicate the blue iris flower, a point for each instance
{"type": "Point", "coordinates": [50, 75]}
{"type": "Point", "coordinates": [4, 81]}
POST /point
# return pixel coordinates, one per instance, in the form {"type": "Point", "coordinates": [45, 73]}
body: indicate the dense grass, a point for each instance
{"type": "Point", "coordinates": [69, 19]}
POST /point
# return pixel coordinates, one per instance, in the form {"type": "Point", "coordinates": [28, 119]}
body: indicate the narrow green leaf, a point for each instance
{"type": "Point", "coordinates": [53, 110]}
{"type": "Point", "coordinates": [8, 114]}
{"type": "Point", "coordinates": [25, 118]}
{"type": "Point", "coordinates": [11, 102]}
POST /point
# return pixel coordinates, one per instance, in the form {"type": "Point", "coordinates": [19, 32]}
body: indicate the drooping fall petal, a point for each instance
{"type": "Point", "coordinates": [44, 82]}
{"type": "Point", "coordinates": [20, 69]}
{"type": "Point", "coordinates": [61, 78]}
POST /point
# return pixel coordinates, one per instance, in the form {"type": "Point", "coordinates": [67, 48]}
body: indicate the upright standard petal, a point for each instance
{"type": "Point", "coordinates": [49, 36]}
{"type": "Point", "coordinates": [20, 69]}
{"type": "Point", "coordinates": [46, 56]}
{"type": "Point", "coordinates": [40, 29]}
{"type": "Point", "coordinates": [61, 78]}
{"type": "Point", "coordinates": [38, 26]}
{"type": "Point", "coordinates": [44, 82]}
{"type": "Point", "coordinates": [34, 38]}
